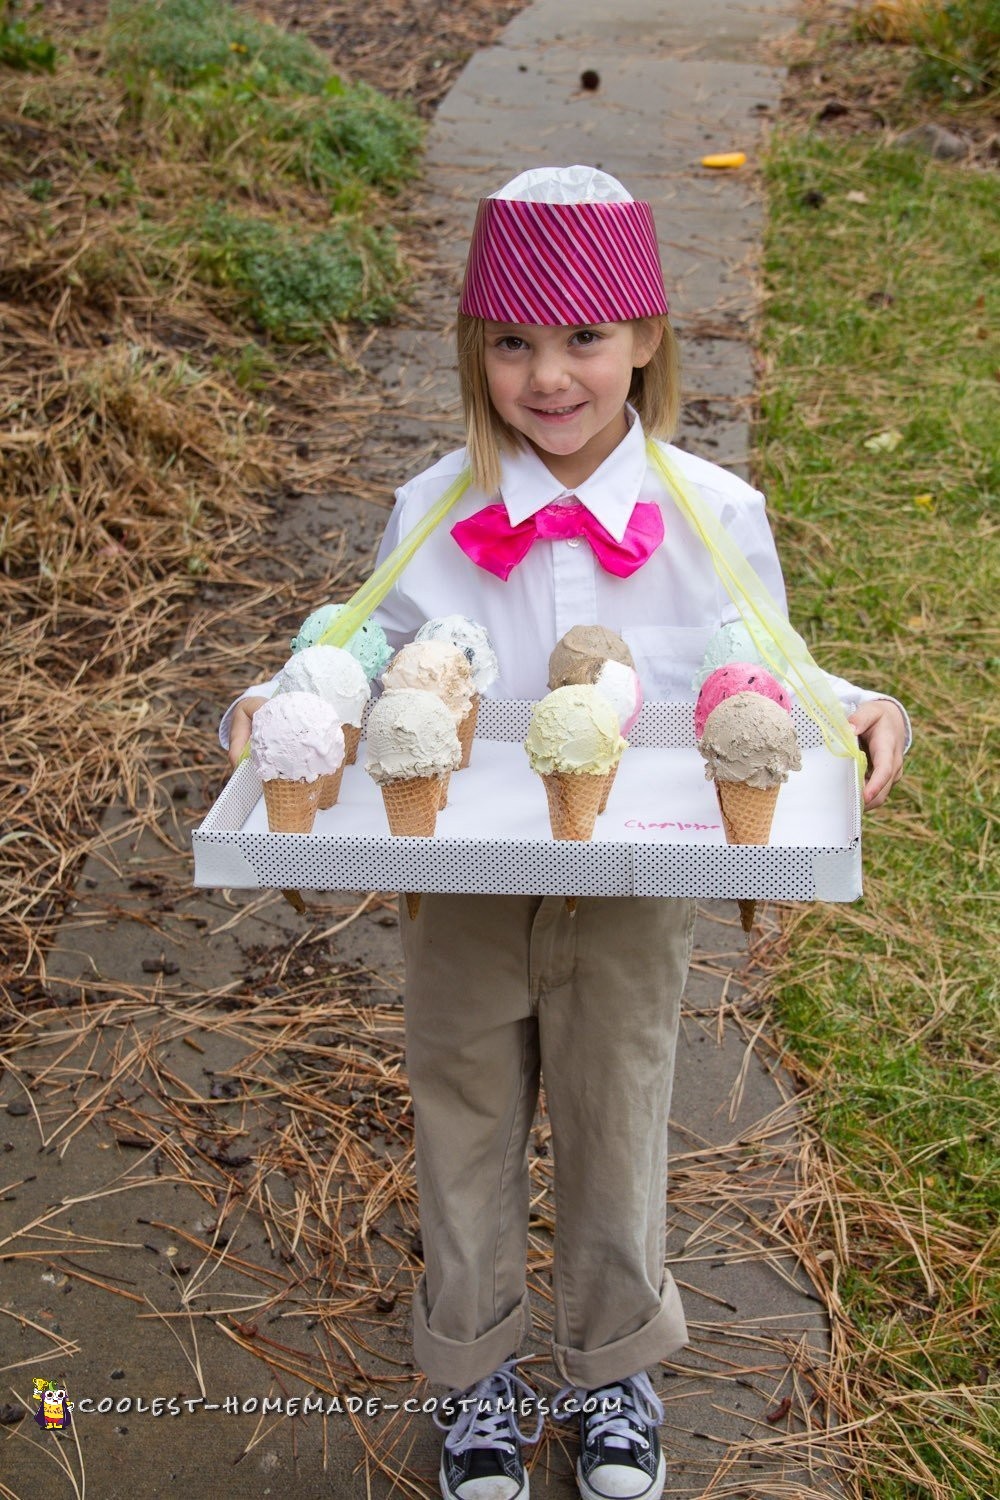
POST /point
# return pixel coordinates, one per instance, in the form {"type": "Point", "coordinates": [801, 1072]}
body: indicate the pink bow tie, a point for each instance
{"type": "Point", "coordinates": [492, 542]}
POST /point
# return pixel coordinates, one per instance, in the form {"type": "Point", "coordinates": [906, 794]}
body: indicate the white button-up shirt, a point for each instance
{"type": "Point", "coordinates": [667, 611]}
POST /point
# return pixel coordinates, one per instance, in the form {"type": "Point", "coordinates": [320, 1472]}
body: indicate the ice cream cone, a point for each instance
{"type": "Point", "coordinates": [352, 739]}
{"type": "Point", "coordinates": [747, 811]}
{"type": "Point", "coordinates": [609, 782]}
{"type": "Point", "coordinates": [412, 904]}
{"type": "Point", "coordinates": [747, 815]}
{"type": "Point", "coordinates": [329, 788]}
{"type": "Point", "coordinates": [467, 731]}
{"type": "Point", "coordinates": [412, 805]}
{"type": "Point", "coordinates": [574, 799]}
{"type": "Point", "coordinates": [291, 805]}
{"type": "Point", "coordinates": [748, 910]}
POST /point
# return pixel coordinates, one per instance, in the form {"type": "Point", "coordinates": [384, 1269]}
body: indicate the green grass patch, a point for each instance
{"type": "Point", "coordinates": [959, 46]}
{"type": "Point", "coordinates": [956, 42]}
{"type": "Point", "coordinates": [210, 79]}
{"type": "Point", "coordinates": [22, 45]}
{"type": "Point", "coordinates": [877, 447]}
{"type": "Point", "coordinates": [187, 42]}
{"type": "Point", "coordinates": [264, 113]}
{"type": "Point", "coordinates": [223, 158]}
{"type": "Point", "coordinates": [293, 286]}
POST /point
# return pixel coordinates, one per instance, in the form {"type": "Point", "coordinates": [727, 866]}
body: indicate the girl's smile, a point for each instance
{"type": "Point", "coordinates": [564, 389]}
{"type": "Point", "coordinates": [557, 413]}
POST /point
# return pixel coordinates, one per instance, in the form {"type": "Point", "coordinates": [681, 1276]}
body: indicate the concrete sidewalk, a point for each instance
{"type": "Point", "coordinates": [741, 1418]}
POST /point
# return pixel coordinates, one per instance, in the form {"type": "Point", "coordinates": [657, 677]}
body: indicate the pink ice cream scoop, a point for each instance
{"type": "Point", "coordinates": [737, 677]}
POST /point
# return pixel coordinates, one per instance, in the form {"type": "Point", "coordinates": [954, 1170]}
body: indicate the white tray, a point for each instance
{"type": "Point", "coordinates": [660, 836]}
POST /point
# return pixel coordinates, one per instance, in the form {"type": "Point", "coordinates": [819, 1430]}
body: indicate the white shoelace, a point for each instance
{"type": "Point", "coordinates": [487, 1417]}
{"type": "Point", "coordinates": [632, 1402]}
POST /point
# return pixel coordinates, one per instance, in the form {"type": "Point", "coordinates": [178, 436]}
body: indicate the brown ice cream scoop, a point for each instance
{"type": "Point", "coordinates": [581, 653]}
{"type": "Point", "coordinates": [750, 740]}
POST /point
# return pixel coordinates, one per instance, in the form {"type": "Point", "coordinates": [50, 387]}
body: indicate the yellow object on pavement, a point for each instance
{"type": "Point", "coordinates": [725, 159]}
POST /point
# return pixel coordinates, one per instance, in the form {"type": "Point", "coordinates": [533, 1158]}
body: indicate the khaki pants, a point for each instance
{"type": "Point", "coordinates": [497, 989]}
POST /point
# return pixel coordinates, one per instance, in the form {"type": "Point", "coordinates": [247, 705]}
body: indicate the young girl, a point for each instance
{"type": "Point", "coordinates": [567, 365]}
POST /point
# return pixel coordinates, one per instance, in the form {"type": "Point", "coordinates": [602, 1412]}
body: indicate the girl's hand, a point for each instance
{"type": "Point", "coordinates": [239, 727]}
{"type": "Point", "coordinates": [882, 736]}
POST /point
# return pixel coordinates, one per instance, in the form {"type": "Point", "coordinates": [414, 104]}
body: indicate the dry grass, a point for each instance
{"type": "Point", "coordinates": [127, 473]}
{"type": "Point", "coordinates": [881, 312]}
{"type": "Point", "coordinates": [118, 493]}
{"type": "Point", "coordinates": [858, 70]}
{"type": "Point", "coordinates": [906, 1280]}
{"type": "Point", "coordinates": [890, 20]}
{"type": "Point", "coordinates": [143, 438]}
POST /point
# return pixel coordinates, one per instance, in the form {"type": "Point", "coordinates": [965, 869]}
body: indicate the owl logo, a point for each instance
{"type": "Point", "coordinates": [52, 1408]}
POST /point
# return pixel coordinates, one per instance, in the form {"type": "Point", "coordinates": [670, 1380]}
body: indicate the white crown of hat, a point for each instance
{"type": "Point", "coordinates": [565, 185]}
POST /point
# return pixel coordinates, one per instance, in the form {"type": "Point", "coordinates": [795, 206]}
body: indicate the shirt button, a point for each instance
{"type": "Point", "coordinates": [573, 541]}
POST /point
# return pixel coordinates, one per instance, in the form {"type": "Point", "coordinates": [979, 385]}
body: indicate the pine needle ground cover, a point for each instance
{"type": "Point", "coordinates": [878, 450]}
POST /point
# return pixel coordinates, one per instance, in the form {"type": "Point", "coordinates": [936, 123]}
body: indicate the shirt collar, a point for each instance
{"type": "Point", "coordinates": [610, 494]}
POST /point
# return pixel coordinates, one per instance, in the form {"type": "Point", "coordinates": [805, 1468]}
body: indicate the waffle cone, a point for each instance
{"type": "Point", "coordinates": [291, 805]}
{"type": "Point", "coordinates": [352, 739]}
{"type": "Point", "coordinates": [747, 815]}
{"type": "Point", "coordinates": [748, 910]}
{"type": "Point", "coordinates": [609, 782]}
{"type": "Point", "coordinates": [467, 731]}
{"type": "Point", "coordinates": [329, 788]}
{"type": "Point", "coordinates": [747, 811]}
{"type": "Point", "coordinates": [413, 904]}
{"type": "Point", "coordinates": [412, 806]}
{"type": "Point", "coordinates": [574, 800]}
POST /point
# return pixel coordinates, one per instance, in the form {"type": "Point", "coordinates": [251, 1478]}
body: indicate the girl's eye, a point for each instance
{"type": "Point", "coordinates": [586, 336]}
{"type": "Point", "coordinates": [510, 341]}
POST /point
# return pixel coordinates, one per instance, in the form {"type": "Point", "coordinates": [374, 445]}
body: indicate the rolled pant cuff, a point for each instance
{"type": "Point", "coordinates": [457, 1365]}
{"type": "Point", "coordinates": [663, 1335]}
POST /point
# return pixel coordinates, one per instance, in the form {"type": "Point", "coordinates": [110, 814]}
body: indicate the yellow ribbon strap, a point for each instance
{"type": "Point", "coordinates": [781, 647]}
{"type": "Point", "coordinates": [374, 589]}
{"type": "Point", "coordinates": [371, 593]}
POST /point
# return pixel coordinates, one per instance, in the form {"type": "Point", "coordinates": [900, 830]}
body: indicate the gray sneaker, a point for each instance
{"type": "Point", "coordinates": [481, 1458]}
{"type": "Point", "coordinates": [620, 1455]}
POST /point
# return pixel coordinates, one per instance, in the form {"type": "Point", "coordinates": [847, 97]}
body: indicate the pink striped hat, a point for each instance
{"type": "Point", "coordinates": [544, 260]}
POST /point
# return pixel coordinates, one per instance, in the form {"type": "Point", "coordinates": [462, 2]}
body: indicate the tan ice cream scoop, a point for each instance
{"type": "Point", "coordinates": [749, 739]}
{"type": "Point", "coordinates": [581, 653]}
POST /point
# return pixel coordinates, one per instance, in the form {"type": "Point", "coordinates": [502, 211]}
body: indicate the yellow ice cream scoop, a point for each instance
{"type": "Point", "coordinates": [574, 729]}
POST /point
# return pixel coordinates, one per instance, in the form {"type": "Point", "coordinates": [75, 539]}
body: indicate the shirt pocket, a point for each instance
{"type": "Point", "coordinates": [667, 658]}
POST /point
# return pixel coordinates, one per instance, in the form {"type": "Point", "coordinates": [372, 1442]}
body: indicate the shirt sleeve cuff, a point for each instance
{"type": "Point", "coordinates": [260, 690]}
{"type": "Point", "coordinates": [865, 696]}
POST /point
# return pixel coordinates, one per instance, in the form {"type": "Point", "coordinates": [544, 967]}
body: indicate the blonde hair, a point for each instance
{"type": "Point", "coordinates": [654, 392]}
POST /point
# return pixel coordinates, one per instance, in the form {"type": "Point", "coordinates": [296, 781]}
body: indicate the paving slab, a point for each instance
{"type": "Point", "coordinates": [112, 1219]}
{"type": "Point", "coordinates": [722, 30]}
